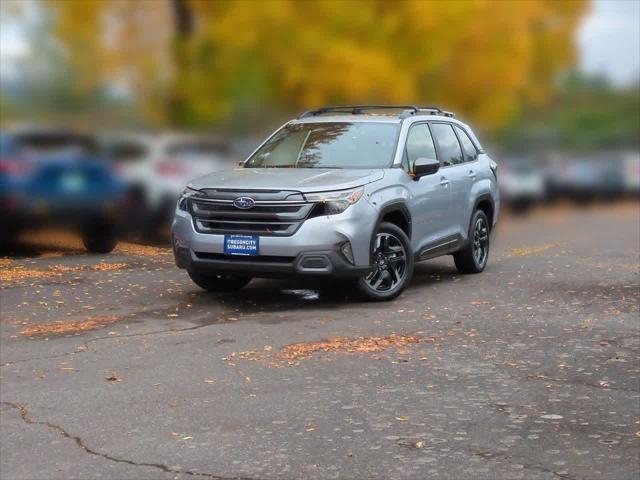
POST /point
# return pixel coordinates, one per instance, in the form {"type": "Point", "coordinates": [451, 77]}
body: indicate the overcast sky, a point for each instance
{"type": "Point", "coordinates": [608, 41]}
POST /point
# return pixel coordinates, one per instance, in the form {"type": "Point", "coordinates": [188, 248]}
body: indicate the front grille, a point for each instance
{"type": "Point", "coordinates": [276, 213]}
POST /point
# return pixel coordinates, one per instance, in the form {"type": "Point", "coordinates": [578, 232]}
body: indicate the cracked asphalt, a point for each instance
{"type": "Point", "coordinates": [117, 367]}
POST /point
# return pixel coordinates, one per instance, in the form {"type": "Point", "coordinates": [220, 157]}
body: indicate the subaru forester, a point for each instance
{"type": "Point", "coordinates": [357, 192]}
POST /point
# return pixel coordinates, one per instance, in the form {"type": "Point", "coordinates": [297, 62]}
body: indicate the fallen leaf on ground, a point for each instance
{"type": "Point", "coordinates": [526, 251]}
{"type": "Point", "coordinates": [90, 323]}
{"type": "Point", "coordinates": [298, 351]}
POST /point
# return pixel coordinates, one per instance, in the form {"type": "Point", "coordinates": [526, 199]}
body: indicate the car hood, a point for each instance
{"type": "Point", "coordinates": [304, 180]}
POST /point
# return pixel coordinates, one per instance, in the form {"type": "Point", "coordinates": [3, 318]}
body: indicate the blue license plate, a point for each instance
{"type": "Point", "coordinates": [73, 182]}
{"type": "Point", "coordinates": [241, 244]}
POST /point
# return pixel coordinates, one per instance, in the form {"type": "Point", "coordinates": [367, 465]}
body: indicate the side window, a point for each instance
{"type": "Point", "coordinates": [470, 152]}
{"type": "Point", "coordinates": [419, 145]}
{"type": "Point", "coordinates": [448, 143]}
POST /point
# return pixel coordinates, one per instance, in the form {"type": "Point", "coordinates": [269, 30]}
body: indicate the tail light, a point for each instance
{"type": "Point", "coordinates": [14, 166]}
{"type": "Point", "coordinates": [170, 168]}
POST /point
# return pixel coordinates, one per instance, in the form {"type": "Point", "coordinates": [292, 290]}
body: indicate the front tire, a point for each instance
{"type": "Point", "coordinates": [392, 261]}
{"type": "Point", "coordinates": [218, 282]}
{"type": "Point", "coordinates": [473, 258]}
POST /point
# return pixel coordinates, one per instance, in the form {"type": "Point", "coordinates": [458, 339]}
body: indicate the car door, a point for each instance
{"type": "Point", "coordinates": [429, 201]}
{"type": "Point", "coordinates": [468, 173]}
{"type": "Point", "coordinates": [457, 173]}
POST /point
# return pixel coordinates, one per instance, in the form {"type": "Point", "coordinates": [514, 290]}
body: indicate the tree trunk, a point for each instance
{"type": "Point", "coordinates": [178, 108]}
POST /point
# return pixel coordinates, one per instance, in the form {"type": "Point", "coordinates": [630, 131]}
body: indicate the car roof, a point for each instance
{"type": "Point", "coordinates": [368, 118]}
{"type": "Point", "coordinates": [377, 118]}
{"type": "Point", "coordinates": [388, 118]}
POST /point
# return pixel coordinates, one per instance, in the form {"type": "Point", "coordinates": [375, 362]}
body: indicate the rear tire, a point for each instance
{"type": "Point", "coordinates": [473, 258]}
{"type": "Point", "coordinates": [8, 237]}
{"type": "Point", "coordinates": [392, 261]}
{"type": "Point", "coordinates": [219, 282]}
{"type": "Point", "coordinates": [100, 239]}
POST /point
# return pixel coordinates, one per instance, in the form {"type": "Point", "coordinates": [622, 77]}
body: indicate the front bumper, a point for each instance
{"type": "Point", "coordinates": [313, 250]}
{"type": "Point", "coordinates": [308, 264]}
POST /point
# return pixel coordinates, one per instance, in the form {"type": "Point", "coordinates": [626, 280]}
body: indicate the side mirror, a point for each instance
{"type": "Point", "coordinates": [425, 166]}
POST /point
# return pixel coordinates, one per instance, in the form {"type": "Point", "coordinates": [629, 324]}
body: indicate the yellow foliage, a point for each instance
{"type": "Point", "coordinates": [482, 58]}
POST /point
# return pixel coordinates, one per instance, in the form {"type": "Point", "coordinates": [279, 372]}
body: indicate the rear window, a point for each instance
{"type": "Point", "coordinates": [126, 152]}
{"type": "Point", "coordinates": [470, 152]}
{"type": "Point", "coordinates": [42, 143]}
{"type": "Point", "coordinates": [6, 148]}
{"type": "Point", "coordinates": [448, 142]}
{"type": "Point", "coordinates": [197, 148]}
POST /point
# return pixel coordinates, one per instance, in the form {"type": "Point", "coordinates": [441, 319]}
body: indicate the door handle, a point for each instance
{"type": "Point", "coordinates": [444, 182]}
{"type": "Point", "coordinates": [472, 174]}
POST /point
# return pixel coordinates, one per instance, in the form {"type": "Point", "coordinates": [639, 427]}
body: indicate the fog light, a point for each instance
{"type": "Point", "coordinates": [314, 262]}
{"type": "Point", "coordinates": [347, 252]}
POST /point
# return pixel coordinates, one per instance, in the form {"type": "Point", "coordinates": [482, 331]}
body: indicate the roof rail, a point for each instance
{"type": "Point", "coordinates": [435, 111]}
{"type": "Point", "coordinates": [407, 110]}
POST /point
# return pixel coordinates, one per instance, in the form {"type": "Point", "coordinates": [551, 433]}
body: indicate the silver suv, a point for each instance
{"type": "Point", "coordinates": [357, 192]}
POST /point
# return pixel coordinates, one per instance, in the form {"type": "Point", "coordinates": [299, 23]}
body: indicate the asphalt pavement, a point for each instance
{"type": "Point", "coordinates": [117, 366]}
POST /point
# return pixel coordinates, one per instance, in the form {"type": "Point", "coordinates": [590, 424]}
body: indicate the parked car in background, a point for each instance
{"type": "Point", "coordinates": [631, 172]}
{"type": "Point", "coordinates": [157, 167]}
{"type": "Point", "coordinates": [522, 182]}
{"type": "Point", "coordinates": [589, 177]}
{"type": "Point", "coordinates": [56, 177]}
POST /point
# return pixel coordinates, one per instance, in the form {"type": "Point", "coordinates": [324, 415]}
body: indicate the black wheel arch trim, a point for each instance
{"type": "Point", "coordinates": [387, 209]}
{"type": "Point", "coordinates": [481, 198]}
{"type": "Point", "coordinates": [392, 208]}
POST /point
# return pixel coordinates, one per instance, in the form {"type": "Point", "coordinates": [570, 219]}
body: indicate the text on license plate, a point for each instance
{"type": "Point", "coordinates": [241, 244]}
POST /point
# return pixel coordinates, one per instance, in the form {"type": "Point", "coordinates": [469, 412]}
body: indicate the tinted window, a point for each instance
{"type": "Point", "coordinates": [5, 146]}
{"type": "Point", "coordinates": [196, 148]}
{"type": "Point", "coordinates": [470, 152]}
{"type": "Point", "coordinates": [419, 145]}
{"type": "Point", "coordinates": [43, 143]}
{"type": "Point", "coordinates": [126, 152]}
{"type": "Point", "coordinates": [329, 145]}
{"type": "Point", "coordinates": [448, 143]}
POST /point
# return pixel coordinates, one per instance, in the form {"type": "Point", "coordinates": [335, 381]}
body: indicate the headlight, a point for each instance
{"type": "Point", "coordinates": [183, 202]}
{"type": "Point", "coordinates": [188, 191]}
{"type": "Point", "coordinates": [332, 203]}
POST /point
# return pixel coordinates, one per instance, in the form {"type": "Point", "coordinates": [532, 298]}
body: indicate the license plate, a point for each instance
{"type": "Point", "coordinates": [241, 244]}
{"type": "Point", "coordinates": [73, 182]}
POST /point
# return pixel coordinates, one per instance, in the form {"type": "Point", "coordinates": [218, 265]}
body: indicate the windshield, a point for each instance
{"type": "Point", "coordinates": [328, 145]}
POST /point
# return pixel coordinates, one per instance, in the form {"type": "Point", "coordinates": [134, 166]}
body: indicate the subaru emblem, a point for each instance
{"type": "Point", "coordinates": [244, 203]}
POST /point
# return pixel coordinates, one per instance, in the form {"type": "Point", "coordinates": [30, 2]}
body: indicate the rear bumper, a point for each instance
{"type": "Point", "coordinates": [20, 213]}
{"type": "Point", "coordinates": [326, 263]}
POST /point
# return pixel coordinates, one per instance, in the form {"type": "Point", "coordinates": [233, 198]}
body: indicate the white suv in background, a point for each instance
{"type": "Point", "coordinates": [157, 167]}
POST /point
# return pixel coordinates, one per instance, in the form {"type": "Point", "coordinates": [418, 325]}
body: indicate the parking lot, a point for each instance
{"type": "Point", "coordinates": [117, 366]}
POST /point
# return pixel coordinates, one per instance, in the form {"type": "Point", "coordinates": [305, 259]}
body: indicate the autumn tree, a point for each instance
{"type": "Point", "coordinates": [192, 62]}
